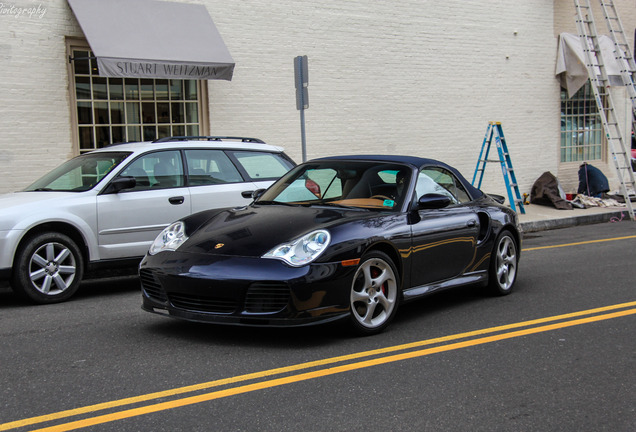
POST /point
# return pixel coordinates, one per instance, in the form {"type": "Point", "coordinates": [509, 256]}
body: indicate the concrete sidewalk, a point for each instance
{"type": "Point", "coordinates": [540, 218]}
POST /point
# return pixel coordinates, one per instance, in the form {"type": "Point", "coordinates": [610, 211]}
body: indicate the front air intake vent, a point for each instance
{"type": "Point", "coordinates": [196, 303]}
{"type": "Point", "coordinates": [151, 287]}
{"type": "Point", "coordinates": [266, 298]}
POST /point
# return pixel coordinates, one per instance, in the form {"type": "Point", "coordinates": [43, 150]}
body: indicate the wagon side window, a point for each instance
{"type": "Point", "coordinates": [137, 170]}
{"type": "Point", "coordinates": [167, 169]}
{"type": "Point", "coordinates": [208, 167]}
{"type": "Point", "coordinates": [162, 169]}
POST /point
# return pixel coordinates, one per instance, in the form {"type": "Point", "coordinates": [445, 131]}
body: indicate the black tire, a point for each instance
{"type": "Point", "coordinates": [48, 268]}
{"type": "Point", "coordinates": [374, 296]}
{"type": "Point", "coordinates": [504, 260]}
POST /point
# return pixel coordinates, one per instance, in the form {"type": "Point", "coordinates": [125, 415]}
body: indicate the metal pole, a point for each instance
{"type": "Point", "coordinates": [302, 134]}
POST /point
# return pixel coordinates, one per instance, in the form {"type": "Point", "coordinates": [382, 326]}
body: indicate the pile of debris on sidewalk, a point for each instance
{"type": "Point", "coordinates": [584, 201]}
{"type": "Point", "coordinates": [593, 191]}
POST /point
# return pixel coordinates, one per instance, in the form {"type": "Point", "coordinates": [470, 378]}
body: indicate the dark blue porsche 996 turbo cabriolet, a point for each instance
{"type": "Point", "coordinates": [347, 237]}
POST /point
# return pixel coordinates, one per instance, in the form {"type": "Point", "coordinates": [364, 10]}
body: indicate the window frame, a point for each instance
{"type": "Point", "coordinates": [581, 109]}
{"type": "Point", "coordinates": [74, 44]}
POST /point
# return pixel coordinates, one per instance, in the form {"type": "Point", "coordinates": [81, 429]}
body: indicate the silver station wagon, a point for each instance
{"type": "Point", "coordinates": [104, 208]}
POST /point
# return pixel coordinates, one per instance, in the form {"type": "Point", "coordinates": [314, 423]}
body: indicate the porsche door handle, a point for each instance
{"type": "Point", "coordinates": [176, 200]}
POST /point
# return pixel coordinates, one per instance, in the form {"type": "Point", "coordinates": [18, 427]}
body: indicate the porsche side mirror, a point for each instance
{"type": "Point", "coordinates": [499, 198]}
{"type": "Point", "coordinates": [433, 201]}
{"type": "Point", "coordinates": [119, 184]}
{"type": "Point", "coordinates": [253, 194]}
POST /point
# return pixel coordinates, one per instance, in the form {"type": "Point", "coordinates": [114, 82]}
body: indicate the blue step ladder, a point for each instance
{"type": "Point", "coordinates": [514, 197]}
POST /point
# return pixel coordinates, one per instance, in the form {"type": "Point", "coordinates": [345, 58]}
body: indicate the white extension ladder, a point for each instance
{"type": "Point", "coordinates": [600, 86]}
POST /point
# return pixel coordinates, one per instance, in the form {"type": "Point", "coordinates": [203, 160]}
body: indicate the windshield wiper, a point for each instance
{"type": "Point", "coordinates": [41, 190]}
{"type": "Point", "coordinates": [282, 203]}
{"type": "Point", "coordinates": [331, 204]}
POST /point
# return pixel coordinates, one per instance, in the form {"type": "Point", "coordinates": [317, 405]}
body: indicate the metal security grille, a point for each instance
{"type": "Point", "coordinates": [582, 136]}
{"type": "Point", "coordinates": [111, 110]}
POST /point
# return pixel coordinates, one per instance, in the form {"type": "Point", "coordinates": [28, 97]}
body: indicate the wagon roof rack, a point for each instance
{"type": "Point", "coordinates": [209, 138]}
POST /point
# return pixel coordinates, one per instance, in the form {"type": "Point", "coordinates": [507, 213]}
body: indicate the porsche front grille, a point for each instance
{"type": "Point", "coordinates": [266, 298]}
{"type": "Point", "coordinates": [202, 303]}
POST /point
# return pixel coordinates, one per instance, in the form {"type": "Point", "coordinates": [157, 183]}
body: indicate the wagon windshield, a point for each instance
{"type": "Point", "coordinates": [369, 185]}
{"type": "Point", "coordinates": [80, 173]}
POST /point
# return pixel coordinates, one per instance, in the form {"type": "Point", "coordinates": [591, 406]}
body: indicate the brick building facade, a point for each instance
{"type": "Point", "coordinates": [410, 77]}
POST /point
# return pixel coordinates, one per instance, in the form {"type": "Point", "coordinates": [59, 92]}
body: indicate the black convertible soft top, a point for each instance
{"type": "Point", "coordinates": [416, 162]}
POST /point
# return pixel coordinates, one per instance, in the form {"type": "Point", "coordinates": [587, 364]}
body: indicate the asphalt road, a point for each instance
{"type": "Point", "coordinates": [559, 354]}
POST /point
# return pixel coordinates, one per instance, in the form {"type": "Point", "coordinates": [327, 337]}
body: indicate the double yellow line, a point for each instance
{"type": "Point", "coordinates": [579, 243]}
{"type": "Point", "coordinates": [317, 369]}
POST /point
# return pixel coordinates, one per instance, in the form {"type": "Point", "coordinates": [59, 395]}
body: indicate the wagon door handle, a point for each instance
{"type": "Point", "coordinates": [176, 200]}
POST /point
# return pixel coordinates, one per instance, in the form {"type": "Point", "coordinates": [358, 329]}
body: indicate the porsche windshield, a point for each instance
{"type": "Point", "coordinates": [79, 174]}
{"type": "Point", "coordinates": [370, 185]}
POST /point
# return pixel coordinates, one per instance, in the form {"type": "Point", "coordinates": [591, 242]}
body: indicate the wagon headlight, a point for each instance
{"type": "Point", "coordinates": [303, 250]}
{"type": "Point", "coordinates": [170, 238]}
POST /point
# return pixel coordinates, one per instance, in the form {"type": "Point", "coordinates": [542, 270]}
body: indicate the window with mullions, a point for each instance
{"type": "Point", "coordinates": [111, 110]}
{"type": "Point", "coordinates": [581, 127]}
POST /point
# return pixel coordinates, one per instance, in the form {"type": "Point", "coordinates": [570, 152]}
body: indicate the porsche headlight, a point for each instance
{"type": "Point", "coordinates": [303, 250]}
{"type": "Point", "coordinates": [170, 238]}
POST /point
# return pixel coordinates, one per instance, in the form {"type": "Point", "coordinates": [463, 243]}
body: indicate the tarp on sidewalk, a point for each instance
{"type": "Point", "coordinates": [546, 190]}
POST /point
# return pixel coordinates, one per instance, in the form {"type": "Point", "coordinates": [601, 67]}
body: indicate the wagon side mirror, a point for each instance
{"type": "Point", "coordinates": [119, 184]}
{"type": "Point", "coordinates": [433, 201]}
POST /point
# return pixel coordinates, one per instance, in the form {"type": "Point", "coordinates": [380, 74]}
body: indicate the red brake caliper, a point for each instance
{"type": "Point", "coordinates": [375, 272]}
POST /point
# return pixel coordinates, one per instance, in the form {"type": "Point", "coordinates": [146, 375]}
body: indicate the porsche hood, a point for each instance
{"type": "Point", "coordinates": [256, 229]}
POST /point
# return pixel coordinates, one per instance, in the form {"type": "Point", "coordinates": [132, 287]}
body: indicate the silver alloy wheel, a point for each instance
{"type": "Point", "coordinates": [52, 268]}
{"type": "Point", "coordinates": [373, 293]}
{"type": "Point", "coordinates": [506, 262]}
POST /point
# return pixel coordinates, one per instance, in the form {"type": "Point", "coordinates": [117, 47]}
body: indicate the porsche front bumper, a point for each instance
{"type": "Point", "coordinates": [244, 290]}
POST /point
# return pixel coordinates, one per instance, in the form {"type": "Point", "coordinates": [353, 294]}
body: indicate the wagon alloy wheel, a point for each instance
{"type": "Point", "coordinates": [52, 268]}
{"type": "Point", "coordinates": [374, 293]}
{"type": "Point", "coordinates": [48, 268]}
{"type": "Point", "coordinates": [503, 266]}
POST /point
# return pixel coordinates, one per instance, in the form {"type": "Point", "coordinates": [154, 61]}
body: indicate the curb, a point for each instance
{"type": "Point", "coordinates": [549, 224]}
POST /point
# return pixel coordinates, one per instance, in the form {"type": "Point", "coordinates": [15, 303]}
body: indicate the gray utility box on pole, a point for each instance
{"type": "Point", "coordinates": [301, 75]}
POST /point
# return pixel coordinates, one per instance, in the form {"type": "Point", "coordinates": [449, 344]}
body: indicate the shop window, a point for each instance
{"type": "Point", "coordinates": [111, 110]}
{"type": "Point", "coordinates": [582, 137]}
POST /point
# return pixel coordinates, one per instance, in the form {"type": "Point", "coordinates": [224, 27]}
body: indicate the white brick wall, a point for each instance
{"type": "Point", "coordinates": [410, 77]}
{"type": "Point", "coordinates": [421, 78]}
{"type": "Point", "coordinates": [35, 131]}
